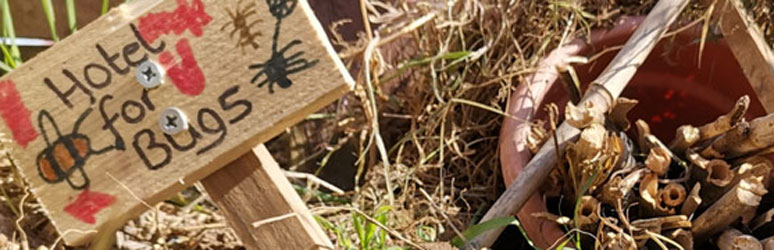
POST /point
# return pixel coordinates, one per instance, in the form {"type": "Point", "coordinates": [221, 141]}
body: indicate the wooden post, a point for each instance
{"type": "Point", "coordinates": [750, 49]}
{"type": "Point", "coordinates": [253, 189]}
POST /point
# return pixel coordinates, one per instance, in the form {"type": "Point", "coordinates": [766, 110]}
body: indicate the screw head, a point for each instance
{"type": "Point", "coordinates": [150, 74]}
{"type": "Point", "coordinates": [173, 121]}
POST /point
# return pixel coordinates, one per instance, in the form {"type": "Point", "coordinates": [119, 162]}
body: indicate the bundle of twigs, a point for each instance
{"type": "Point", "coordinates": [704, 186]}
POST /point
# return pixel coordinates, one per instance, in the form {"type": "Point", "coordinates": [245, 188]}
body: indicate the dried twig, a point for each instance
{"type": "Point", "coordinates": [733, 239]}
{"type": "Point", "coordinates": [746, 195]}
{"type": "Point", "coordinates": [725, 122]}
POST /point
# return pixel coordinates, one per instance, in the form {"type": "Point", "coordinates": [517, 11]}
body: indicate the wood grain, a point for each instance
{"type": "Point", "coordinates": [209, 77]}
{"type": "Point", "coordinates": [749, 47]}
{"type": "Point", "coordinates": [253, 188]}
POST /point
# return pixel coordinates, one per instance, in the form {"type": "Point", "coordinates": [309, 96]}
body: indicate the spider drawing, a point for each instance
{"type": "Point", "coordinates": [278, 67]}
{"type": "Point", "coordinates": [239, 20]}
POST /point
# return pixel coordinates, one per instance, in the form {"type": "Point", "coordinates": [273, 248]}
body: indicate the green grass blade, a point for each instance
{"type": "Point", "coordinates": [9, 32]}
{"type": "Point", "coordinates": [5, 67]}
{"type": "Point", "coordinates": [48, 8]}
{"type": "Point", "coordinates": [71, 15]}
{"type": "Point", "coordinates": [480, 228]}
{"type": "Point", "coordinates": [105, 6]}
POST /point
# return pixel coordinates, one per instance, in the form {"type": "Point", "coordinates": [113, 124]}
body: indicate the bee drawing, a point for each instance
{"type": "Point", "coordinates": [66, 154]}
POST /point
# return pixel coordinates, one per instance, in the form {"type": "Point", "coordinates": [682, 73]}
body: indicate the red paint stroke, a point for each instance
{"type": "Point", "coordinates": [185, 74]}
{"type": "Point", "coordinates": [88, 204]}
{"type": "Point", "coordinates": [185, 17]}
{"type": "Point", "coordinates": [15, 114]}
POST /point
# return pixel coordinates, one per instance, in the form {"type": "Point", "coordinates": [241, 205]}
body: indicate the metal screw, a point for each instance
{"type": "Point", "coordinates": [150, 74]}
{"type": "Point", "coordinates": [173, 121]}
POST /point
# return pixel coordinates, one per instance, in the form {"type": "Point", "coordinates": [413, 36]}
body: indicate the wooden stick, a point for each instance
{"type": "Point", "coordinates": [757, 166]}
{"type": "Point", "coordinates": [746, 41]}
{"type": "Point", "coordinates": [725, 122]}
{"type": "Point", "coordinates": [759, 136]}
{"type": "Point", "coordinates": [606, 88]}
{"type": "Point", "coordinates": [764, 219]}
{"type": "Point", "coordinates": [714, 172]}
{"type": "Point", "coordinates": [733, 239]}
{"type": "Point", "coordinates": [744, 196]}
{"type": "Point", "coordinates": [682, 237]}
{"type": "Point", "coordinates": [692, 202]}
{"type": "Point", "coordinates": [685, 137]}
{"type": "Point", "coordinates": [242, 191]}
{"type": "Point", "coordinates": [768, 243]}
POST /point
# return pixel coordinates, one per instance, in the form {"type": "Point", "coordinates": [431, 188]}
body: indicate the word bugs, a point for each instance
{"type": "Point", "coordinates": [67, 154]}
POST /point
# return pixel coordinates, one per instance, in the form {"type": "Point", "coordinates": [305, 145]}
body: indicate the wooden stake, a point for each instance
{"type": "Point", "coordinates": [746, 42]}
{"type": "Point", "coordinates": [253, 188]}
{"type": "Point", "coordinates": [733, 239]}
{"type": "Point", "coordinates": [606, 88]}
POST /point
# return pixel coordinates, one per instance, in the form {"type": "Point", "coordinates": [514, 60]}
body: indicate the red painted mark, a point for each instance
{"type": "Point", "coordinates": [15, 114]}
{"type": "Point", "coordinates": [88, 204]}
{"type": "Point", "coordinates": [185, 17]}
{"type": "Point", "coordinates": [185, 74]}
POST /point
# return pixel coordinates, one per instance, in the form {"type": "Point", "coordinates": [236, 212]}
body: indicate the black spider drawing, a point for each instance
{"type": "Point", "coordinates": [239, 19]}
{"type": "Point", "coordinates": [279, 66]}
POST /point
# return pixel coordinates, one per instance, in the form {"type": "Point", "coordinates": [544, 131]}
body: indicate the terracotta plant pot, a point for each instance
{"type": "Point", "coordinates": [672, 86]}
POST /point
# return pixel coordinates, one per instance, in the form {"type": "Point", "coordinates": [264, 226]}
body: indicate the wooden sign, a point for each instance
{"type": "Point", "coordinates": [88, 138]}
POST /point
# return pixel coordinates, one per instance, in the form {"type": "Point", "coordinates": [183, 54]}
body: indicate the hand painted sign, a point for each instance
{"type": "Point", "coordinates": [86, 133]}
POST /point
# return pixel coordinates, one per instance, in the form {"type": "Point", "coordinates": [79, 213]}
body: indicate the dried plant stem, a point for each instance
{"type": "Point", "coordinates": [768, 243]}
{"type": "Point", "coordinates": [733, 239]}
{"type": "Point", "coordinates": [760, 136]}
{"type": "Point", "coordinates": [587, 217]}
{"type": "Point", "coordinates": [692, 202]}
{"type": "Point", "coordinates": [375, 134]}
{"type": "Point", "coordinates": [685, 137]}
{"type": "Point", "coordinates": [725, 122]}
{"type": "Point", "coordinates": [673, 194]}
{"type": "Point", "coordinates": [746, 195]}
{"type": "Point", "coordinates": [682, 237]}
{"type": "Point", "coordinates": [757, 166]}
